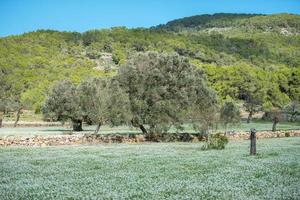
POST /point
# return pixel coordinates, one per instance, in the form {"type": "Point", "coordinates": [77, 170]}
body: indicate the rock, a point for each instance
{"type": "Point", "coordinates": [195, 139]}
{"type": "Point", "coordinates": [140, 138]}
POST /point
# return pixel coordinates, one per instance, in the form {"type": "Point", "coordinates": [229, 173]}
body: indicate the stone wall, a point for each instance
{"type": "Point", "coordinates": [55, 140]}
{"type": "Point", "coordinates": [265, 134]}
{"type": "Point", "coordinates": [77, 139]}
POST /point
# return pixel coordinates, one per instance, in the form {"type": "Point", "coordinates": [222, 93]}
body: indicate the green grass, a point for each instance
{"type": "Point", "coordinates": [29, 131]}
{"type": "Point", "coordinates": [265, 125]}
{"type": "Point", "coordinates": [26, 116]}
{"type": "Point", "coordinates": [152, 171]}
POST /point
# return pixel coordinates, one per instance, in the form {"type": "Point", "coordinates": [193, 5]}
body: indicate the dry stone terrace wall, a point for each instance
{"type": "Point", "coordinates": [55, 140]}
{"type": "Point", "coordinates": [265, 134]}
{"type": "Point", "coordinates": [77, 139]}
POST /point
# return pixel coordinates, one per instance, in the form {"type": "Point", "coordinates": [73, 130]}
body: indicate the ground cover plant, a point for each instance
{"type": "Point", "coordinates": [152, 171]}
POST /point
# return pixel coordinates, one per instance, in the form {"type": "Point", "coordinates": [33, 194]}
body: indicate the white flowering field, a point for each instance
{"type": "Point", "coordinates": [152, 171]}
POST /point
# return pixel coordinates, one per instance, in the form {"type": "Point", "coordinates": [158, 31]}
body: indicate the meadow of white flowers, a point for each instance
{"type": "Point", "coordinates": [152, 171]}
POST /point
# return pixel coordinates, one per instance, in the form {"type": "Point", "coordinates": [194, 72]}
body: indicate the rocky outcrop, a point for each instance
{"type": "Point", "coordinates": [76, 139]}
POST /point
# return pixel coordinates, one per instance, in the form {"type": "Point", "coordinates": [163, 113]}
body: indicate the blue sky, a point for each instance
{"type": "Point", "coordinates": [19, 16]}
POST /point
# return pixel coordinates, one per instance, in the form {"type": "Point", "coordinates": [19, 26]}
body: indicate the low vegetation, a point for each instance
{"type": "Point", "coordinates": [152, 171]}
{"type": "Point", "coordinates": [215, 141]}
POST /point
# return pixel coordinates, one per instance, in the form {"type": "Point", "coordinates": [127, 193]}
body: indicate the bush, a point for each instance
{"type": "Point", "coordinates": [216, 141]}
{"type": "Point", "coordinates": [169, 137]}
{"type": "Point", "coordinates": [287, 134]}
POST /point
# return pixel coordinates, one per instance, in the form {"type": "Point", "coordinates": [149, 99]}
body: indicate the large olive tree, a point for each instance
{"type": "Point", "coordinates": [63, 103]}
{"type": "Point", "coordinates": [162, 90]}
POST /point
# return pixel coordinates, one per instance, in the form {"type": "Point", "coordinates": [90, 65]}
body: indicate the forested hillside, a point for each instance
{"type": "Point", "coordinates": [250, 58]}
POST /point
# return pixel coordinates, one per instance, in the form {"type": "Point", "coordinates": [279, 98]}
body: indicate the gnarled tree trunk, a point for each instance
{"type": "Point", "coordinates": [250, 117]}
{"type": "Point", "coordinates": [143, 129]}
{"type": "Point", "coordinates": [98, 128]}
{"type": "Point", "coordinates": [140, 126]}
{"type": "Point", "coordinates": [275, 122]}
{"type": "Point", "coordinates": [77, 124]}
{"type": "Point", "coordinates": [18, 117]}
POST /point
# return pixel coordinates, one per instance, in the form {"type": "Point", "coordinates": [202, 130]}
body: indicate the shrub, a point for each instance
{"type": "Point", "coordinates": [287, 134]}
{"type": "Point", "coordinates": [169, 137]}
{"type": "Point", "coordinates": [216, 141]}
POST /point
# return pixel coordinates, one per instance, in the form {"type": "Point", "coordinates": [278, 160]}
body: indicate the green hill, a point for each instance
{"type": "Point", "coordinates": [286, 24]}
{"type": "Point", "coordinates": [228, 47]}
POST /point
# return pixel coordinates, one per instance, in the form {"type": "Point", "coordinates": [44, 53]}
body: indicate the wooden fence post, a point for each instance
{"type": "Point", "coordinates": [253, 141]}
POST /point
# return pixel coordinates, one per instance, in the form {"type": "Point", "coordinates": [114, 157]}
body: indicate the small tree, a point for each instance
{"type": "Point", "coordinates": [10, 97]}
{"type": "Point", "coordinates": [63, 103]}
{"type": "Point", "coordinates": [103, 102]}
{"type": "Point", "coordinates": [293, 110]}
{"type": "Point", "coordinates": [252, 91]}
{"type": "Point", "coordinates": [274, 108]}
{"type": "Point", "coordinates": [229, 114]}
{"type": "Point", "coordinates": [252, 106]}
{"type": "Point", "coordinates": [9, 103]}
{"type": "Point", "coordinates": [276, 115]}
{"type": "Point", "coordinates": [203, 104]}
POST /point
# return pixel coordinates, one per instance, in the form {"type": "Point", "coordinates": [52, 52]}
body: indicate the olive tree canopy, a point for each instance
{"type": "Point", "coordinates": [104, 102]}
{"type": "Point", "coordinates": [163, 89]}
{"type": "Point", "coordinates": [63, 103]}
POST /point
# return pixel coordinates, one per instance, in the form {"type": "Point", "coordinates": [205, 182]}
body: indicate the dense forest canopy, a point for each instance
{"type": "Point", "coordinates": [244, 56]}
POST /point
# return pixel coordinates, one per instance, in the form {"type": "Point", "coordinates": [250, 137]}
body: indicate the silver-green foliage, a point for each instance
{"type": "Point", "coordinates": [163, 89]}
{"type": "Point", "coordinates": [63, 102]}
{"type": "Point", "coordinates": [215, 141]}
{"type": "Point", "coordinates": [103, 101]}
{"type": "Point", "coordinates": [152, 171]}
